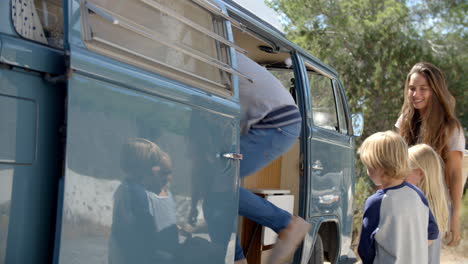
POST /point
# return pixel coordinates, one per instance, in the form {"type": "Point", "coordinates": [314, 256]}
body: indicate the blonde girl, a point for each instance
{"type": "Point", "coordinates": [428, 116]}
{"type": "Point", "coordinates": [426, 173]}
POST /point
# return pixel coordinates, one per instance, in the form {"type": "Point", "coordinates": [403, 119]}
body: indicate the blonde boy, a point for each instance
{"type": "Point", "coordinates": [397, 221]}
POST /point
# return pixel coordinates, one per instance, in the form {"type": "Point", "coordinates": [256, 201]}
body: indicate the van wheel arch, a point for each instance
{"type": "Point", "coordinates": [328, 242]}
{"type": "Point", "coordinates": [317, 251]}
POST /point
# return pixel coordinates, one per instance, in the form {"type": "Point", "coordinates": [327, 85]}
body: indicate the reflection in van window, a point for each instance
{"type": "Point", "coordinates": [39, 20]}
{"type": "Point", "coordinates": [176, 38]}
{"type": "Point", "coordinates": [323, 101]}
{"type": "Point", "coordinates": [144, 216]}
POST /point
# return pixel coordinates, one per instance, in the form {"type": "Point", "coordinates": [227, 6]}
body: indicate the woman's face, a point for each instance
{"type": "Point", "coordinates": [419, 92]}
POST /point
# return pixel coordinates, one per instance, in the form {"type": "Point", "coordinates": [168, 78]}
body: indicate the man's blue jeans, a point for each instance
{"type": "Point", "coordinates": [260, 147]}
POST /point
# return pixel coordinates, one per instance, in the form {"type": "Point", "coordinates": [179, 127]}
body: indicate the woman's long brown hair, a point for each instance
{"type": "Point", "coordinates": [437, 123]}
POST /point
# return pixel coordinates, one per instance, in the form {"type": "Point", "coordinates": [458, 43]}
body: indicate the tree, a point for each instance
{"type": "Point", "coordinates": [444, 25]}
{"type": "Point", "coordinates": [374, 43]}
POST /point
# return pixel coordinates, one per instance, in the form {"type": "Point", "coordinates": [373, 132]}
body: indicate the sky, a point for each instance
{"type": "Point", "coordinates": [259, 8]}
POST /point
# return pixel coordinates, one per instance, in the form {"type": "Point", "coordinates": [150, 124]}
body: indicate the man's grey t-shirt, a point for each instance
{"type": "Point", "coordinates": [396, 226]}
{"type": "Point", "coordinates": [265, 95]}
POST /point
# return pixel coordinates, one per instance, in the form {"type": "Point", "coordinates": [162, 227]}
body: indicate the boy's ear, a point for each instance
{"type": "Point", "coordinates": [155, 169]}
{"type": "Point", "coordinates": [380, 172]}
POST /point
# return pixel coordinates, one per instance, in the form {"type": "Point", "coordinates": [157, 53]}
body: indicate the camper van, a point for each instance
{"type": "Point", "coordinates": [92, 90]}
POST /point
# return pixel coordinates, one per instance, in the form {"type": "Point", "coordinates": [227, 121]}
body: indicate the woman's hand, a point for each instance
{"type": "Point", "coordinates": [454, 232]}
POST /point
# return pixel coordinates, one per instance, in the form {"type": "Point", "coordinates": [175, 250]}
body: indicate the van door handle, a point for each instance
{"type": "Point", "coordinates": [317, 165]}
{"type": "Point", "coordinates": [234, 156]}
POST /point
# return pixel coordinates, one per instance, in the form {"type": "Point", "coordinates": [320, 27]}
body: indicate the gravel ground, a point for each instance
{"type": "Point", "coordinates": [455, 255]}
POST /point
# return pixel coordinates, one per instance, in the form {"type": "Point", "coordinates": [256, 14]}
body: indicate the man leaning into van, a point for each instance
{"type": "Point", "coordinates": [270, 125]}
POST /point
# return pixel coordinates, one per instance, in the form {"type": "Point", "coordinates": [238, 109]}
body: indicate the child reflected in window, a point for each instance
{"type": "Point", "coordinates": [144, 217]}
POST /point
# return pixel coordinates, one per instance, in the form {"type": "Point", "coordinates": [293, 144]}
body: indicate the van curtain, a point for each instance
{"type": "Point", "coordinates": [26, 20]}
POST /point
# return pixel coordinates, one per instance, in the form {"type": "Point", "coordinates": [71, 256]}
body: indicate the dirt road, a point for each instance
{"type": "Point", "coordinates": [456, 255]}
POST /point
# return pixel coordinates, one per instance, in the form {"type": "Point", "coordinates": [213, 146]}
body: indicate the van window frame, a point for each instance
{"type": "Point", "coordinates": [311, 68]}
{"type": "Point", "coordinates": [343, 120]}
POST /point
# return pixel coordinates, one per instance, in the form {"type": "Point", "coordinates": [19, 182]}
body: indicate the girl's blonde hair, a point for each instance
{"type": "Point", "coordinates": [388, 151]}
{"type": "Point", "coordinates": [439, 121]}
{"type": "Point", "coordinates": [424, 157]}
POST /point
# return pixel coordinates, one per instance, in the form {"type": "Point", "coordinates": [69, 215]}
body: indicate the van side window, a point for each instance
{"type": "Point", "coordinates": [323, 101]}
{"type": "Point", "coordinates": [182, 40]}
{"type": "Point", "coordinates": [39, 20]}
{"type": "Point", "coordinates": [342, 120]}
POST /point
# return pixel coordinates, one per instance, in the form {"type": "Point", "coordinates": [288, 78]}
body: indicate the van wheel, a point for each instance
{"type": "Point", "coordinates": [317, 252]}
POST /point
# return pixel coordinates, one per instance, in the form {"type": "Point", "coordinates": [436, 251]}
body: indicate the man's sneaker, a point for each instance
{"type": "Point", "coordinates": [288, 240]}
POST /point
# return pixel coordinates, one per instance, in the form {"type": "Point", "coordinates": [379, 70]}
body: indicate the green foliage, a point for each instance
{"type": "Point", "coordinates": [374, 43]}
{"type": "Point", "coordinates": [367, 42]}
{"type": "Point", "coordinates": [443, 25]}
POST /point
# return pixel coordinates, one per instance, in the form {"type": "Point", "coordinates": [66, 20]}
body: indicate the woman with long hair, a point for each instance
{"type": "Point", "coordinates": [428, 116]}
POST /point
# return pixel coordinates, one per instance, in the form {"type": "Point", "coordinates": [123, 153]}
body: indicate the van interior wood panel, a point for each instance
{"type": "Point", "coordinates": [267, 178]}
{"type": "Point", "coordinates": [282, 173]}
{"type": "Point", "coordinates": [290, 173]}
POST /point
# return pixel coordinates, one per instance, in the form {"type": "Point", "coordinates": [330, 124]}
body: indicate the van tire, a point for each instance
{"type": "Point", "coordinates": [317, 252]}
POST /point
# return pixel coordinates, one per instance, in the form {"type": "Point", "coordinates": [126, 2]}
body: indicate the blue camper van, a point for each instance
{"type": "Point", "coordinates": [90, 90]}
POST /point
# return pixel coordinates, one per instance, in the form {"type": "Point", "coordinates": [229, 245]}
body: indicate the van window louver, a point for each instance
{"type": "Point", "coordinates": [128, 24]}
{"type": "Point", "coordinates": [210, 7]}
{"type": "Point", "coordinates": [192, 24]}
{"type": "Point", "coordinates": [148, 33]}
{"type": "Point", "coordinates": [100, 40]}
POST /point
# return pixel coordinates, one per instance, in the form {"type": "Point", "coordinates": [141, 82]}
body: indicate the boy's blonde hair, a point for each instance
{"type": "Point", "coordinates": [388, 151]}
{"type": "Point", "coordinates": [140, 155]}
{"type": "Point", "coordinates": [424, 157]}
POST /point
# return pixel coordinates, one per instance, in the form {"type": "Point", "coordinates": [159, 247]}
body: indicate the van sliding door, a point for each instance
{"type": "Point", "coordinates": [153, 128]}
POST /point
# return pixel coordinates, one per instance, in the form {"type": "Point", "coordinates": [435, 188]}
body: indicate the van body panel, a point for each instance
{"type": "Point", "coordinates": [29, 166]}
{"type": "Point", "coordinates": [5, 13]}
{"type": "Point", "coordinates": [30, 55]}
{"type": "Point", "coordinates": [327, 177]}
{"type": "Point", "coordinates": [192, 137]}
{"type": "Point", "coordinates": [330, 189]}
